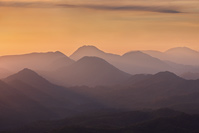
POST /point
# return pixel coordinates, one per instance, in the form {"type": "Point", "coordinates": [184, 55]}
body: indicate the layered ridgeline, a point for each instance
{"type": "Point", "coordinates": [180, 55]}
{"type": "Point", "coordinates": [89, 71]}
{"type": "Point", "coordinates": [36, 61]}
{"type": "Point", "coordinates": [156, 121]}
{"type": "Point", "coordinates": [137, 62]}
{"type": "Point", "coordinates": [177, 60]}
{"type": "Point", "coordinates": [163, 89]}
{"type": "Point", "coordinates": [26, 97]}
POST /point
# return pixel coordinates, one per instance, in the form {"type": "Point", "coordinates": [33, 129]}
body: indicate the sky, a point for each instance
{"type": "Point", "coordinates": [112, 25]}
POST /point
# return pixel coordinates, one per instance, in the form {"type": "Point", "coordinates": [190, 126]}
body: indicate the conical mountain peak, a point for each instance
{"type": "Point", "coordinates": [166, 75]}
{"type": "Point", "coordinates": [27, 76]}
{"type": "Point", "coordinates": [26, 72]}
{"type": "Point", "coordinates": [86, 50]}
{"type": "Point", "coordinates": [182, 49]}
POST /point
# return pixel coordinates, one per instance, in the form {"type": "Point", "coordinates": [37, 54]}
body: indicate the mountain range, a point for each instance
{"type": "Point", "coordinates": [51, 86]}
{"type": "Point", "coordinates": [163, 89]}
{"type": "Point", "coordinates": [27, 97]}
{"type": "Point", "coordinates": [49, 61]}
{"type": "Point", "coordinates": [148, 62]}
{"type": "Point", "coordinates": [161, 120]}
{"type": "Point", "coordinates": [90, 71]}
{"type": "Point", "coordinates": [51, 64]}
{"type": "Point", "coordinates": [180, 55]}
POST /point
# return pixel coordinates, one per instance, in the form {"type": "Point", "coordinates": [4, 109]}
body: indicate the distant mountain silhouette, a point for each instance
{"type": "Point", "coordinates": [183, 55]}
{"type": "Point", "coordinates": [134, 62]}
{"type": "Point", "coordinates": [177, 60]}
{"type": "Point", "coordinates": [142, 63]}
{"type": "Point", "coordinates": [36, 61]}
{"type": "Point", "coordinates": [52, 86]}
{"type": "Point", "coordinates": [89, 50]}
{"type": "Point", "coordinates": [90, 71]}
{"type": "Point", "coordinates": [156, 54]}
{"type": "Point", "coordinates": [180, 55]}
{"type": "Point", "coordinates": [182, 50]}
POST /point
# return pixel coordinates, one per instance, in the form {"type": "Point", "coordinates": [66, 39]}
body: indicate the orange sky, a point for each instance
{"type": "Point", "coordinates": [40, 29]}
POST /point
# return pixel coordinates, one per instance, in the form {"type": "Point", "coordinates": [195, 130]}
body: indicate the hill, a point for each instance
{"type": "Point", "coordinates": [90, 71]}
{"type": "Point", "coordinates": [36, 61]}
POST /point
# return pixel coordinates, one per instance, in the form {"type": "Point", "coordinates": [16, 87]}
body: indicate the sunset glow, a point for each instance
{"type": "Point", "coordinates": [28, 28]}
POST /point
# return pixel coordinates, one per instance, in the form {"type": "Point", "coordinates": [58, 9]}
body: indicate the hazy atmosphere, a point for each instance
{"type": "Point", "coordinates": [114, 26]}
{"type": "Point", "coordinates": [99, 66]}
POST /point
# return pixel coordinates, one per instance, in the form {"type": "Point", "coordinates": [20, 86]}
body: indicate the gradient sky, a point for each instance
{"type": "Point", "coordinates": [111, 25]}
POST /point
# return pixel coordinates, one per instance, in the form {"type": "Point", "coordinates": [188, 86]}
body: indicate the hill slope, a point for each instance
{"type": "Point", "coordinates": [90, 71]}
{"type": "Point", "coordinates": [29, 97]}
{"type": "Point", "coordinates": [36, 61]}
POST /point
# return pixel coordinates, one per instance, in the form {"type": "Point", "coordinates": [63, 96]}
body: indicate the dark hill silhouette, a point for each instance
{"type": "Point", "coordinates": [59, 93]}
{"type": "Point", "coordinates": [149, 78]}
{"type": "Point", "coordinates": [90, 71]}
{"type": "Point", "coordinates": [37, 99]}
{"type": "Point", "coordinates": [28, 76]}
{"type": "Point", "coordinates": [162, 120]}
{"type": "Point", "coordinates": [166, 76]}
{"type": "Point", "coordinates": [17, 109]}
{"type": "Point", "coordinates": [163, 89]}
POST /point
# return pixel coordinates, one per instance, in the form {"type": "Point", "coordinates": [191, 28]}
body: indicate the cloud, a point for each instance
{"type": "Point", "coordinates": [125, 8]}
{"type": "Point", "coordinates": [160, 9]}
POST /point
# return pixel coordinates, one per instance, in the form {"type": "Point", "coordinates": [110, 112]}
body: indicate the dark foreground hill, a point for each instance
{"type": "Point", "coordinates": [27, 97]}
{"type": "Point", "coordinates": [163, 89]}
{"type": "Point", "coordinates": [162, 120]}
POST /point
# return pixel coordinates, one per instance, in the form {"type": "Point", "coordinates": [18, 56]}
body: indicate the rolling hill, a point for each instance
{"type": "Point", "coordinates": [90, 71]}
